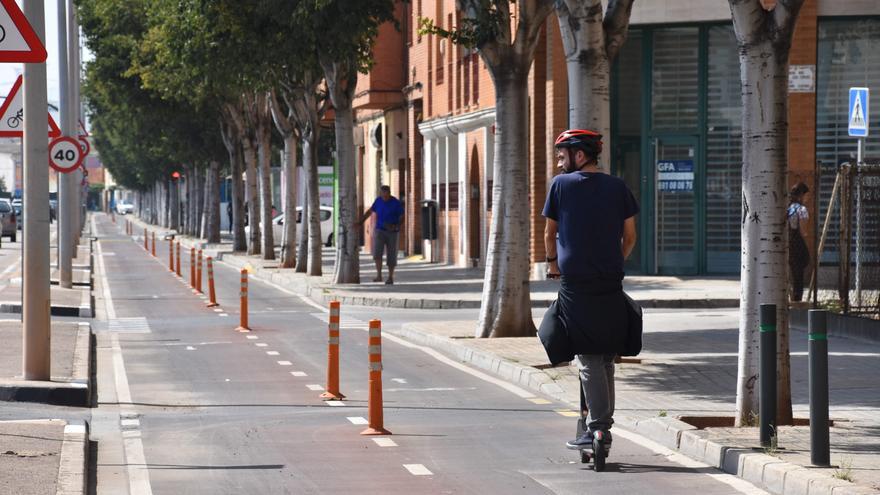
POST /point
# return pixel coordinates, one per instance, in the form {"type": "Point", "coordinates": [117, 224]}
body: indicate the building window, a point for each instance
{"type": "Point", "coordinates": [675, 86]}
{"type": "Point", "coordinates": [847, 57]}
{"type": "Point", "coordinates": [723, 153]}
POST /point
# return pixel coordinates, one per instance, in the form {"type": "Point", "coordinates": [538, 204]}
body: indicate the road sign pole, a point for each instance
{"type": "Point", "coordinates": [35, 267]}
{"type": "Point", "coordinates": [859, 223]}
{"type": "Point", "coordinates": [65, 219]}
{"type": "Point", "coordinates": [73, 55]}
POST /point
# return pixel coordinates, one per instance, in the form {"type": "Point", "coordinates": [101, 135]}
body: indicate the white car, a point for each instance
{"type": "Point", "coordinates": [124, 208]}
{"type": "Point", "coordinates": [326, 218]}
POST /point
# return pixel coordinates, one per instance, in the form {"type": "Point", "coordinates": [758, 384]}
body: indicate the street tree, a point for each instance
{"type": "Point", "coordinates": [348, 30]}
{"type": "Point", "coordinates": [505, 32]}
{"type": "Point", "coordinates": [764, 30]}
{"type": "Point", "coordinates": [591, 42]}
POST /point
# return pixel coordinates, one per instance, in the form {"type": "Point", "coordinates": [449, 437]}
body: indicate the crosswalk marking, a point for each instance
{"type": "Point", "coordinates": [137, 324]}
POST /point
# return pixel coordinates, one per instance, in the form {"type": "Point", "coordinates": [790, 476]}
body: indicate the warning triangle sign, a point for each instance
{"type": "Point", "coordinates": [12, 114]}
{"type": "Point", "coordinates": [18, 41]}
{"type": "Point", "coordinates": [857, 119]}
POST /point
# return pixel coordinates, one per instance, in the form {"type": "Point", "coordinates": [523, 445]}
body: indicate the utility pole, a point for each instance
{"type": "Point", "coordinates": [35, 268]}
{"type": "Point", "coordinates": [65, 181]}
{"type": "Point", "coordinates": [73, 106]}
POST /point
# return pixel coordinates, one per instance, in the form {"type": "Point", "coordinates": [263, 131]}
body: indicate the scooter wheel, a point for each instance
{"type": "Point", "coordinates": [585, 457]}
{"type": "Point", "coordinates": [599, 452]}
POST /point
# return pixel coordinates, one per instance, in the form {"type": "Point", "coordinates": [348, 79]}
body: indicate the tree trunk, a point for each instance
{"type": "Point", "coordinates": [175, 205]}
{"type": "Point", "coordinates": [288, 240]}
{"type": "Point", "coordinates": [763, 48]}
{"type": "Point", "coordinates": [166, 210]}
{"type": "Point", "coordinates": [588, 67]}
{"type": "Point", "coordinates": [506, 306]}
{"type": "Point", "coordinates": [206, 211]}
{"type": "Point", "coordinates": [265, 157]}
{"type": "Point", "coordinates": [252, 201]}
{"type": "Point", "coordinates": [213, 231]}
{"type": "Point", "coordinates": [347, 270]}
{"type": "Point", "coordinates": [302, 239]}
{"type": "Point", "coordinates": [310, 162]}
{"type": "Point", "coordinates": [239, 243]}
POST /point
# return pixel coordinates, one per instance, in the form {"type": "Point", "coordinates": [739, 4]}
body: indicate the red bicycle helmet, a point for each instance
{"type": "Point", "coordinates": [590, 142]}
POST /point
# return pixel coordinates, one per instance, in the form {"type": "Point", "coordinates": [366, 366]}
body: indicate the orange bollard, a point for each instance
{"type": "Point", "coordinates": [212, 295]}
{"type": "Point", "coordinates": [192, 267]}
{"type": "Point", "coordinates": [375, 412]}
{"type": "Point", "coordinates": [154, 244]}
{"type": "Point", "coordinates": [146, 240]}
{"type": "Point", "coordinates": [171, 254]}
{"type": "Point", "coordinates": [178, 258]}
{"type": "Point", "coordinates": [243, 324]}
{"type": "Point", "coordinates": [199, 272]}
{"type": "Point", "coordinates": [333, 392]}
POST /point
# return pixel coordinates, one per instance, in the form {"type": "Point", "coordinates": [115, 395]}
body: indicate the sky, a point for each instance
{"type": "Point", "coordinates": [9, 72]}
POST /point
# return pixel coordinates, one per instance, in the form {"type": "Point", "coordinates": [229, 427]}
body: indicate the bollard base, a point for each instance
{"type": "Point", "coordinates": [243, 329]}
{"type": "Point", "coordinates": [375, 431]}
{"type": "Point", "coordinates": [331, 395]}
{"type": "Point", "coordinates": [212, 304]}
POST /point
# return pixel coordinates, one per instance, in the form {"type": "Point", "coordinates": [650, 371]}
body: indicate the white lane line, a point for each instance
{"type": "Point", "coordinates": [272, 353]}
{"type": "Point", "coordinates": [138, 473]}
{"type": "Point", "coordinates": [298, 373]}
{"type": "Point", "coordinates": [357, 420]}
{"type": "Point", "coordinates": [223, 315]}
{"type": "Point", "coordinates": [251, 337]}
{"type": "Point", "coordinates": [285, 363]}
{"type": "Point", "coordinates": [334, 403]}
{"type": "Point", "coordinates": [314, 387]}
{"type": "Point", "coordinates": [417, 470]}
{"type": "Point", "coordinates": [102, 270]}
{"type": "Point", "coordinates": [399, 380]}
{"type": "Point", "coordinates": [109, 254]}
{"type": "Point", "coordinates": [387, 442]}
{"type": "Point", "coordinates": [738, 484]}
{"type": "Point", "coordinates": [130, 422]}
{"type": "Point", "coordinates": [190, 348]}
{"type": "Point", "coordinates": [261, 344]}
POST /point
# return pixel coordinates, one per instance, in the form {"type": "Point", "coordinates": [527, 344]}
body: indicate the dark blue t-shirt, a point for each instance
{"type": "Point", "coordinates": [590, 208]}
{"type": "Point", "coordinates": [387, 212]}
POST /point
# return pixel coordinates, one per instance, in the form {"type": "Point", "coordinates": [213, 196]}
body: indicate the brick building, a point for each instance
{"type": "Point", "coordinates": [425, 119]}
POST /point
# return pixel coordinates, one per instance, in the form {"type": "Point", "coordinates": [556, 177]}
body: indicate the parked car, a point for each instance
{"type": "Point", "coordinates": [19, 216]}
{"type": "Point", "coordinates": [124, 208]}
{"type": "Point", "coordinates": [8, 220]}
{"type": "Point", "coordinates": [326, 218]}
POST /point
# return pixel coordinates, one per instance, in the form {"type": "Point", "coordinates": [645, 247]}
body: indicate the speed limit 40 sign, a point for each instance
{"type": "Point", "coordinates": [65, 154]}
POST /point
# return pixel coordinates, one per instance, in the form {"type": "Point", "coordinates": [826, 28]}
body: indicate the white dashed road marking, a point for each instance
{"type": "Point", "coordinates": [261, 344]}
{"type": "Point", "coordinates": [285, 363]}
{"type": "Point", "coordinates": [334, 403]}
{"type": "Point", "coordinates": [298, 373]}
{"type": "Point", "coordinates": [190, 348]}
{"type": "Point", "coordinates": [399, 380]}
{"type": "Point", "coordinates": [272, 353]}
{"type": "Point", "coordinates": [357, 420]}
{"type": "Point", "coordinates": [387, 442]}
{"type": "Point", "coordinates": [314, 387]}
{"type": "Point", "coordinates": [417, 470]}
{"type": "Point", "coordinates": [252, 337]}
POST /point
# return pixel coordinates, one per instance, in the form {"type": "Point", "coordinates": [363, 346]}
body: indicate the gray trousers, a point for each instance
{"type": "Point", "coordinates": [597, 380]}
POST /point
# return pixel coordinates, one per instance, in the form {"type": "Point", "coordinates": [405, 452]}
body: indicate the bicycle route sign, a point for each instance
{"type": "Point", "coordinates": [18, 41]}
{"type": "Point", "coordinates": [12, 114]}
{"type": "Point", "coordinates": [65, 154]}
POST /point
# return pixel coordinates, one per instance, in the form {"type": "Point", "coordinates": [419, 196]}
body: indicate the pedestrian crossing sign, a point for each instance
{"type": "Point", "coordinates": [858, 112]}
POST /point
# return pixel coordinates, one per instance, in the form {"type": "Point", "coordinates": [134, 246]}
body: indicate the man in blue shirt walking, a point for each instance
{"type": "Point", "coordinates": [389, 216]}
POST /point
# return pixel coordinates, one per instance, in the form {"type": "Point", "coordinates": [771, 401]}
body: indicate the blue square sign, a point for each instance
{"type": "Point", "coordinates": [858, 112]}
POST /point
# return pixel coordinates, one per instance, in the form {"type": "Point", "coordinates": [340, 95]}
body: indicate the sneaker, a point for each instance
{"type": "Point", "coordinates": [583, 441]}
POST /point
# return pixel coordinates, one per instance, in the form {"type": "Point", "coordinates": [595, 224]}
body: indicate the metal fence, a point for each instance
{"type": "Point", "coordinates": [848, 240]}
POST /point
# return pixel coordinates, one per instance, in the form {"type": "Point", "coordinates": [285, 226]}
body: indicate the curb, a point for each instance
{"type": "Point", "coordinates": [75, 391]}
{"type": "Point", "coordinates": [73, 466]}
{"type": "Point", "coordinates": [764, 471]}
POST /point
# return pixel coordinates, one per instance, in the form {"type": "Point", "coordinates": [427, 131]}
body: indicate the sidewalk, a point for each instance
{"type": "Point", "coordinates": [43, 457]}
{"type": "Point", "coordinates": [422, 285]}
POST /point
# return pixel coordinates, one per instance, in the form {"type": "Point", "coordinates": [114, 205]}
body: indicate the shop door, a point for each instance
{"type": "Point", "coordinates": [675, 221]}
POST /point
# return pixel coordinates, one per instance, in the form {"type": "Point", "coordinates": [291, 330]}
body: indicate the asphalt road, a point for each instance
{"type": "Point", "coordinates": [189, 405]}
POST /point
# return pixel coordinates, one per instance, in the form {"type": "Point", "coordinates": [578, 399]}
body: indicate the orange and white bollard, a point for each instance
{"type": "Point", "coordinates": [154, 244]}
{"type": "Point", "coordinates": [212, 295]}
{"type": "Point", "coordinates": [243, 324]}
{"type": "Point", "coordinates": [146, 240]}
{"type": "Point", "coordinates": [192, 267]}
{"type": "Point", "coordinates": [171, 254]}
{"type": "Point", "coordinates": [199, 272]}
{"type": "Point", "coordinates": [332, 390]}
{"type": "Point", "coordinates": [178, 258]}
{"type": "Point", "coordinates": [375, 413]}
